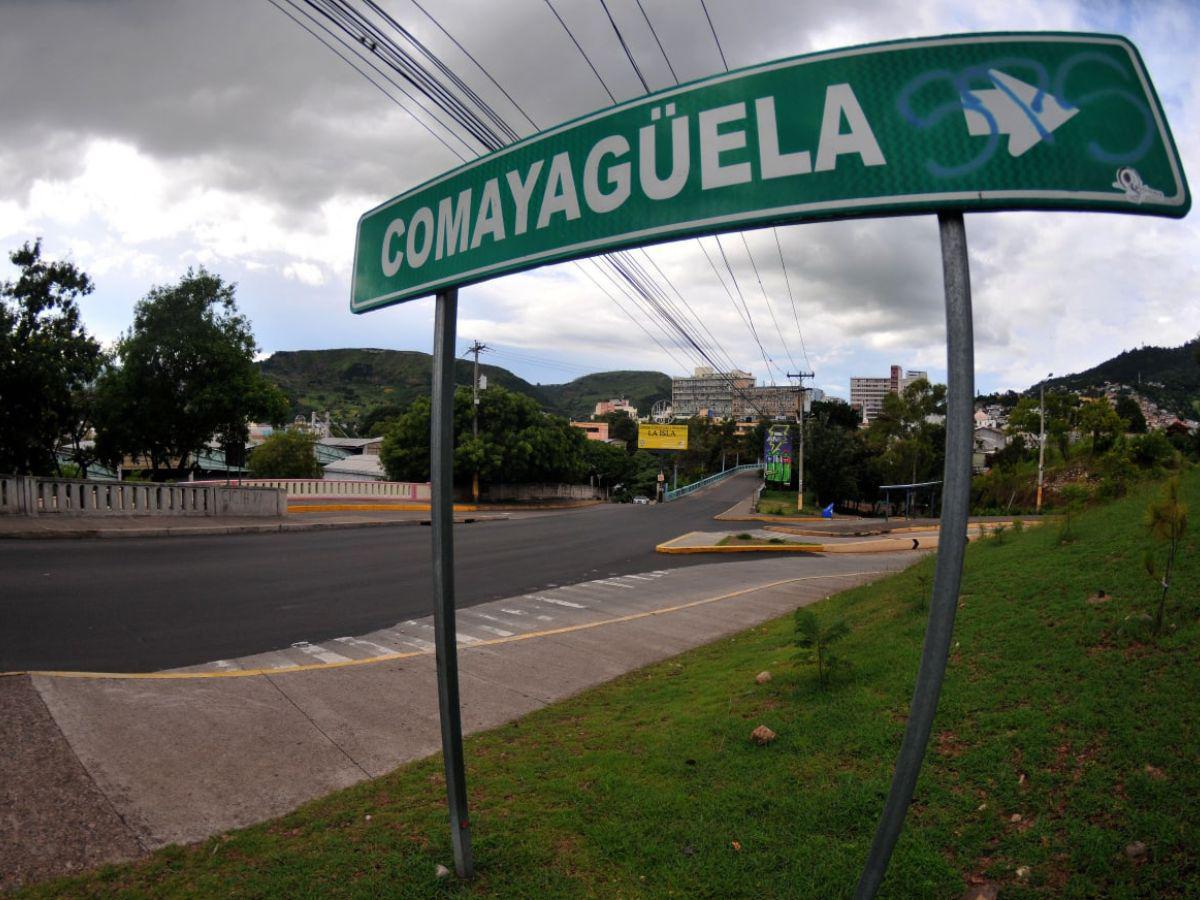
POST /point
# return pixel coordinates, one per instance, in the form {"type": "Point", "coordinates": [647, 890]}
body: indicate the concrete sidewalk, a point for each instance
{"type": "Point", "coordinates": [54, 527]}
{"type": "Point", "coordinates": [177, 756]}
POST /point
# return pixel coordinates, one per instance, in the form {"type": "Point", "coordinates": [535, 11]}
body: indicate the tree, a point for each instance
{"type": "Point", "coordinates": [1128, 409]}
{"type": "Point", "coordinates": [833, 452]}
{"type": "Point", "coordinates": [517, 442]}
{"type": "Point", "coordinates": [47, 361]}
{"type": "Point", "coordinates": [621, 427]}
{"type": "Point", "coordinates": [286, 454]}
{"type": "Point", "coordinates": [379, 419]}
{"type": "Point", "coordinates": [1167, 521]}
{"type": "Point", "coordinates": [185, 375]}
{"type": "Point", "coordinates": [1101, 420]}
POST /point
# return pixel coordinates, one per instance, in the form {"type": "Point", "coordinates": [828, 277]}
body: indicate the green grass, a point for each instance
{"type": "Point", "coordinates": [1054, 708]}
{"type": "Point", "coordinates": [783, 503]}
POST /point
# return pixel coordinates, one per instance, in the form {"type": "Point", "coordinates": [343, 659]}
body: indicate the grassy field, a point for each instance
{"type": "Point", "coordinates": [1067, 732]}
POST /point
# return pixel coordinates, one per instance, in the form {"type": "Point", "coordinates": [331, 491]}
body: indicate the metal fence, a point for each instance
{"type": "Point", "coordinates": [705, 482]}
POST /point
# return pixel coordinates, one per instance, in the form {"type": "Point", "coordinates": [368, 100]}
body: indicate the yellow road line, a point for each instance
{"type": "Point", "coordinates": [392, 657]}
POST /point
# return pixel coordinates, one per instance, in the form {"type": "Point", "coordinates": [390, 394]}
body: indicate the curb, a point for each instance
{"type": "Point", "coordinates": [281, 528]}
{"type": "Point", "coordinates": [760, 548]}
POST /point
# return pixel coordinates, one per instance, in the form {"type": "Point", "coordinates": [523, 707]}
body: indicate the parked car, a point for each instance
{"type": "Point", "coordinates": [641, 499]}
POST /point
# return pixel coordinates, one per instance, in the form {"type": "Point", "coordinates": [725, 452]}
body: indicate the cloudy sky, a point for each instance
{"type": "Point", "coordinates": [141, 137]}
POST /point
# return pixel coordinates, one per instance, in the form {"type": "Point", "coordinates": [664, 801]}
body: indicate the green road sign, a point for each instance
{"type": "Point", "coordinates": [968, 122]}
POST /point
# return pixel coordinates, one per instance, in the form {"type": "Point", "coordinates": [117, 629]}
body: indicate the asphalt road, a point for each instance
{"type": "Point", "coordinates": [142, 605]}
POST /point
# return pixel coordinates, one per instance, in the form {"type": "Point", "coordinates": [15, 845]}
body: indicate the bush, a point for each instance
{"type": "Point", "coordinates": [286, 454]}
{"type": "Point", "coordinates": [1152, 451]}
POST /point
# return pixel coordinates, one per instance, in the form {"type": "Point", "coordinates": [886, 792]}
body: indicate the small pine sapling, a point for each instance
{"type": "Point", "coordinates": [814, 642]}
{"type": "Point", "coordinates": [1167, 521]}
{"type": "Point", "coordinates": [1073, 497]}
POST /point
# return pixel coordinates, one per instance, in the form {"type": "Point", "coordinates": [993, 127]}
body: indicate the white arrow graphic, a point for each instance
{"type": "Point", "coordinates": [1015, 107]}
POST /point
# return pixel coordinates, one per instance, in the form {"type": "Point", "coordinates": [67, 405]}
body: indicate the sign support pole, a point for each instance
{"type": "Point", "coordinates": [441, 470]}
{"type": "Point", "coordinates": [952, 539]}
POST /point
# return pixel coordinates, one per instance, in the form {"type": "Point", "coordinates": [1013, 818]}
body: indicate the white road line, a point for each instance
{"type": "Point", "coordinates": [319, 652]}
{"type": "Point", "coordinates": [545, 618]}
{"type": "Point", "coordinates": [639, 577]}
{"type": "Point", "coordinates": [360, 642]}
{"type": "Point", "coordinates": [617, 584]}
{"type": "Point", "coordinates": [514, 612]}
{"type": "Point", "coordinates": [561, 602]}
{"type": "Point", "coordinates": [468, 639]}
{"type": "Point", "coordinates": [500, 632]}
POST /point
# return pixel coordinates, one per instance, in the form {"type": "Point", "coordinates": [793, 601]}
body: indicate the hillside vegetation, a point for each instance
{"type": "Point", "coordinates": [1170, 376]}
{"type": "Point", "coordinates": [350, 383]}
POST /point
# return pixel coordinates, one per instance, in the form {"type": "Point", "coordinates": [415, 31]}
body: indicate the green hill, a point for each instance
{"type": "Point", "coordinates": [1170, 376]}
{"type": "Point", "coordinates": [352, 382]}
{"type": "Point", "coordinates": [578, 398]}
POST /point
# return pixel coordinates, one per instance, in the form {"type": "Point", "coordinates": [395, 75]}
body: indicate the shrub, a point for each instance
{"type": "Point", "coordinates": [814, 642]}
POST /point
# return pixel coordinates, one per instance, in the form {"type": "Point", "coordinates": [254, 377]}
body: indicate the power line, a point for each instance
{"type": "Point", "coordinates": [625, 47]}
{"type": "Point", "coordinates": [586, 58]}
{"type": "Point", "coordinates": [361, 72]}
{"type": "Point", "coordinates": [788, 282]}
{"type": "Point", "coordinates": [713, 29]}
{"type": "Point", "coordinates": [767, 300]}
{"type": "Point", "coordinates": [666, 58]}
{"type": "Point", "coordinates": [478, 64]}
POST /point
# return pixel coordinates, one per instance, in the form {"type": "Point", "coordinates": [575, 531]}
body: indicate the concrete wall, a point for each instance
{"type": "Point", "coordinates": [340, 487]}
{"type": "Point", "coordinates": [497, 492]}
{"type": "Point", "coordinates": [31, 496]}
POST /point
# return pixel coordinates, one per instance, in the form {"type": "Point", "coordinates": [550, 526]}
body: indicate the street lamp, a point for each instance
{"type": "Point", "coordinates": [1041, 440]}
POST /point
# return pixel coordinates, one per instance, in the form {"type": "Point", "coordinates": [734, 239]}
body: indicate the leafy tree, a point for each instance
{"type": "Point", "coordinates": [609, 464]}
{"type": "Point", "coordinates": [833, 452]}
{"type": "Point", "coordinates": [379, 419]}
{"type": "Point", "coordinates": [1127, 408]}
{"type": "Point", "coordinates": [814, 642]}
{"type": "Point", "coordinates": [1061, 413]}
{"type": "Point", "coordinates": [185, 376]}
{"type": "Point", "coordinates": [621, 427]}
{"type": "Point", "coordinates": [286, 454]}
{"type": "Point", "coordinates": [1101, 420]}
{"type": "Point", "coordinates": [48, 362]}
{"type": "Point", "coordinates": [517, 442]}
{"type": "Point", "coordinates": [906, 437]}
{"type": "Point", "coordinates": [1167, 522]}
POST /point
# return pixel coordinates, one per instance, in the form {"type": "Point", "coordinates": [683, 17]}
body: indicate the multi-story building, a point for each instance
{"type": "Point", "coordinates": [733, 395]}
{"type": "Point", "coordinates": [866, 394]}
{"type": "Point", "coordinates": [607, 406]}
{"type": "Point", "coordinates": [711, 393]}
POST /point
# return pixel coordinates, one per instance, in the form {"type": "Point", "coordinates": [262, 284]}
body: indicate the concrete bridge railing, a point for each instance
{"type": "Point", "coordinates": [311, 488]}
{"type": "Point", "coordinates": [35, 496]}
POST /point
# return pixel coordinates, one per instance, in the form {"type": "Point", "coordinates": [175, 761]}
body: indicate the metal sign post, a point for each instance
{"type": "Point", "coordinates": [952, 541]}
{"type": "Point", "coordinates": [441, 472]}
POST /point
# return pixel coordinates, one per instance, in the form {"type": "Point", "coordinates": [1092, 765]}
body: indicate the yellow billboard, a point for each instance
{"type": "Point", "coordinates": [662, 437]}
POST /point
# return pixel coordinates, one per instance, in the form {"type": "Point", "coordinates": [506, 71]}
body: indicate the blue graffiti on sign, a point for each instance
{"type": "Point", "coordinates": [1028, 112]}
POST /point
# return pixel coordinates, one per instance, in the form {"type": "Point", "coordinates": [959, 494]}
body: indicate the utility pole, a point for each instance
{"type": "Point", "coordinates": [475, 348]}
{"type": "Point", "coordinates": [800, 376]}
{"type": "Point", "coordinates": [1041, 441]}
